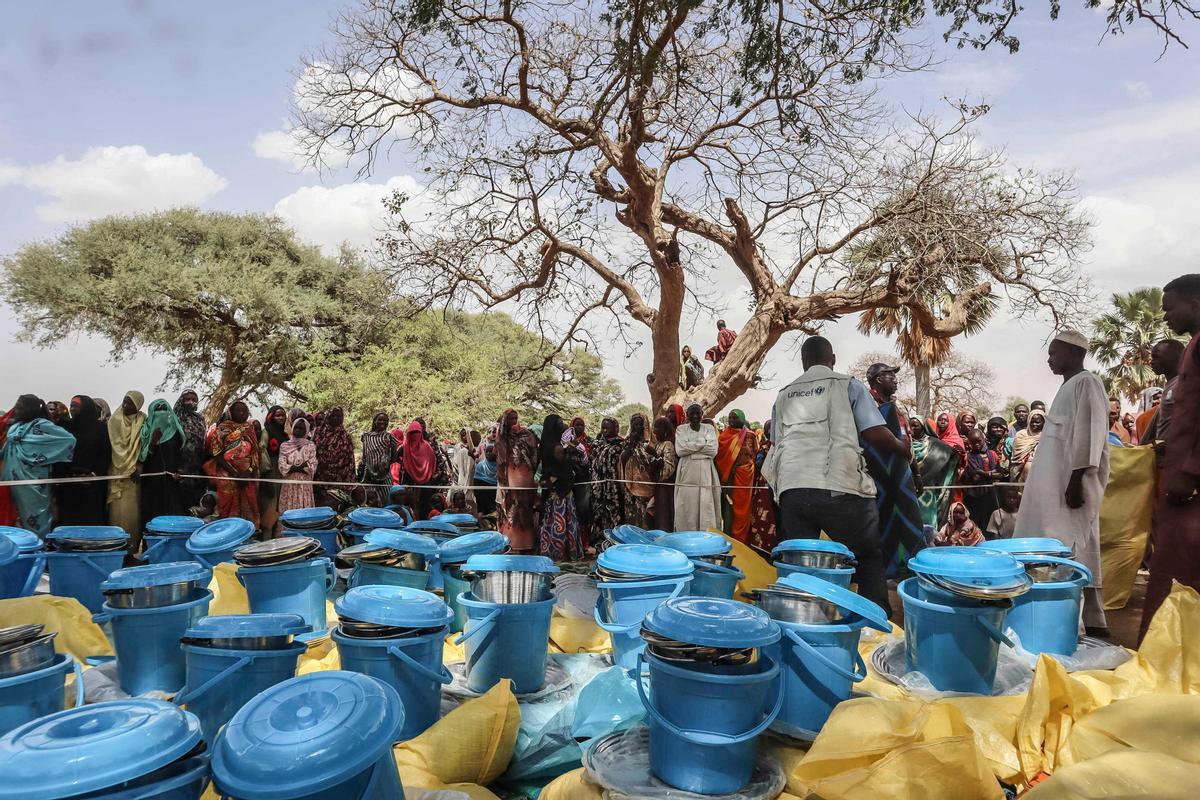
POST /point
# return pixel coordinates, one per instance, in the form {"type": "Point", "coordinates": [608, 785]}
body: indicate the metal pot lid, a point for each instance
{"type": "Point", "coordinates": [404, 541]}
{"type": "Point", "coordinates": [813, 546]}
{"type": "Point", "coordinates": [1000, 591]}
{"type": "Point", "coordinates": [841, 597]}
{"type": "Point", "coordinates": [1031, 545]}
{"type": "Point", "coordinates": [433, 526]}
{"type": "Point", "coordinates": [497, 563]}
{"type": "Point", "coordinates": [9, 551]}
{"type": "Point", "coordinates": [88, 533]}
{"type": "Point", "coordinates": [367, 552]}
{"type": "Point", "coordinates": [223, 534]}
{"type": "Point", "coordinates": [630, 534]}
{"type": "Point", "coordinates": [26, 541]}
{"type": "Point", "coordinates": [980, 566]}
{"type": "Point", "coordinates": [398, 606]}
{"type": "Point", "coordinates": [645, 559]}
{"type": "Point", "coordinates": [458, 520]}
{"type": "Point", "coordinates": [172, 524]}
{"type": "Point", "coordinates": [91, 748]}
{"type": "Point", "coordinates": [459, 549]}
{"type": "Point", "coordinates": [712, 622]}
{"type": "Point", "coordinates": [42, 638]}
{"type": "Point", "coordinates": [318, 517]}
{"type": "Point", "coordinates": [276, 551]}
{"type": "Point", "coordinates": [247, 626]}
{"type": "Point", "coordinates": [376, 518]}
{"type": "Point", "coordinates": [156, 575]}
{"type": "Point", "coordinates": [20, 634]}
{"type": "Point", "coordinates": [696, 543]}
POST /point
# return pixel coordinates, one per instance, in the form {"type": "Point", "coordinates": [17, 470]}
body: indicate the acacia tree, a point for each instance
{"type": "Point", "coordinates": [634, 159]}
{"type": "Point", "coordinates": [957, 383]}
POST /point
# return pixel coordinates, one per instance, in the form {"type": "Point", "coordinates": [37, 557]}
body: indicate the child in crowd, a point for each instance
{"type": "Point", "coordinates": [1004, 519]}
{"type": "Point", "coordinates": [458, 502]}
{"type": "Point", "coordinates": [959, 530]}
{"type": "Point", "coordinates": [437, 504]}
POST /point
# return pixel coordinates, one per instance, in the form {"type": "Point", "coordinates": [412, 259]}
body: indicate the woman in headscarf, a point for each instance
{"type": "Point", "coordinates": [463, 458]}
{"type": "Point", "coordinates": [558, 538]}
{"type": "Point", "coordinates": [583, 477]}
{"type": "Point", "coordinates": [59, 414]}
{"type": "Point", "coordinates": [607, 494]}
{"type": "Point", "coordinates": [125, 435]}
{"type": "Point", "coordinates": [697, 485]}
{"type": "Point", "coordinates": [233, 447]}
{"type": "Point", "coordinates": [274, 434]}
{"type": "Point", "coordinates": [736, 446]}
{"type": "Point", "coordinates": [105, 411]}
{"type": "Point", "coordinates": [335, 455]}
{"type": "Point", "coordinates": [636, 455]}
{"type": "Point", "coordinates": [662, 471]}
{"type": "Point", "coordinates": [193, 455]}
{"type": "Point", "coordinates": [1024, 445]}
{"type": "Point", "coordinates": [297, 463]}
{"type": "Point", "coordinates": [676, 415]}
{"type": "Point", "coordinates": [947, 431]}
{"type": "Point", "coordinates": [418, 467]}
{"type": "Point", "coordinates": [1147, 408]}
{"type": "Point", "coordinates": [32, 446]}
{"type": "Point", "coordinates": [691, 371]}
{"type": "Point", "coordinates": [379, 452]}
{"type": "Point", "coordinates": [763, 535]}
{"type": "Point", "coordinates": [161, 450]}
{"type": "Point", "coordinates": [937, 464]}
{"type": "Point", "coordinates": [967, 422]}
{"type": "Point", "coordinates": [982, 469]}
{"type": "Point", "coordinates": [959, 530]}
{"type": "Point", "coordinates": [85, 503]}
{"type": "Point", "coordinates": [999, 442]}
{"type": "Point", "coordinates": [8, 509]}
{"type": "Point", "coordinates": [516, 463]}
{"type": "Point", "coordinates": [485, 473]}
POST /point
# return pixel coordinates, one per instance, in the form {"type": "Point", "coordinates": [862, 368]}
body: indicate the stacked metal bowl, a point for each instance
{"type": "Point", "coordinates": [510, 579]}
{"type": "Point", "coordinates": [814, 553]}
{"type": "Point", "coordinates": [93, 539]}
{"type": "Point", "coordinates": [156, 585]}
{"type": "Point", "coordinates": [25, 648]}
{"type": "Point", "coordinates": [1027, 549]}
{"type": "Point", "coordinates": [788, 604]}
{"type": "Point", "coordinates": [382, 554]}
{"type": "Point", "coordinates": [976, 573]}
{"type": "Point", "coordinates": [273, 552]}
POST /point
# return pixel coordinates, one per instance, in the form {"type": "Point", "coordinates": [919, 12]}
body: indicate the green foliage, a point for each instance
{"type": "Point", "coordinates": [1122, 340]}
{"type": "Point", "coordinates": [216, 294]}
{"type": "Point", "coordinates": [457, 369]}
{"type": "Point", "coordinates": [622, 415]}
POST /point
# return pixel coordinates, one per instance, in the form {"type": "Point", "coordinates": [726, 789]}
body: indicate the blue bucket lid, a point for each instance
{"type": "Point", "coordinates": [457, 519]}
{"type": "Point", "coordinates": [319, 515]}
{"type": "Point", "coordinates": [376, 518]}
{"type": "Point", "coordinates": [630, 534]}
{"type": "Point", "coordinates": [1031, 545]}
{"type": "Point", "coordinates": [246, 626]}
{"type": "Point", "coordinates": [967, 563]}
{"type": "Point", "coordinates": [222, 534]}
{"type": "Point", "coordinates": [460, 549]}
{"type": "Point", "coordinates": [845, 599]}
{"type": "Point", "coordinates": [306, 735]}
{"type": "Point", "coordinates": [400, 606]}
{"type": "Point", "coordinates": [491, 563]}
{"type": "Point", "coordinates": [26, 541]}
{"type": "Point", "coordinates": [696, 543]}
{"type": "Point", "coordinates": [156, 575]}
{"type": "Point", "coordinates": [813, 546]}
{"type": "Point", "coordinates": [645, 559]}
{"type": "Point", "coordinates": [9, 552]}
{"type": "Point", "coordinates": [88, 532]}
{"type": "Point", "coordinates": [712, 622]}
{"type": "Point", "coordinates": [432, 525]}
{"type": "Point", "coordinates": [87, 749]}
{"type": "Point", "coordinates": [407, 541]}
{"type": "Point", "coordinates": [171, 524]}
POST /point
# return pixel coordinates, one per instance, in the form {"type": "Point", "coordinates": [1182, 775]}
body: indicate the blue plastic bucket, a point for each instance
{"type": "Point", "coordinates": [836, 575]}
{"type": "Point", "coordinates": [19, 578]}
{"type": "Point", "coordinates": [327, 538]}
{"type": "Point", "coordinates": [1046, 618]}
{"type": "Point", "coordinates": [219, 682]}
{"type": "Point", "coordinates": [820, 664]}
{"type": "Point", "coordinates": [365, 574]}
{"type": "Point", "coordinates": [506, 640]}
{"type": "Point", "coordinates": [164, 549]}
{"type": "Point", "coordinates": [296, 588]}
{"type": "Point", "coordinates": [714, 580]}
{"type": "Point", "coordinates": [411, 665]}
{"type": "Point", "coordinates": [146, 641]}
{"type": "Point", "coordinates": [622, 605]}
{"type": "Point", "coordinates": [452, 587]}
{"type": "Point", "coordinates": [184, 781]}
{"type": "Point", "coordinates": [954, 646]}
{"type": "Point", "coordinates": [78, 574]}
{"type": "Point", "coordinates": [704, 726]}
{"type": "Point", "coordinates": [36, 694]}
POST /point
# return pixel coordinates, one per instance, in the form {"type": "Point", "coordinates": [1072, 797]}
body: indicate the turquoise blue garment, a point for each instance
{"type": "Point", "coordinates": [31, 449]}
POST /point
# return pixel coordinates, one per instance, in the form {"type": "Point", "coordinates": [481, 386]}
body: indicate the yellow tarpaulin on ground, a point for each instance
{"type": "Point", "coordinates": [1125, 520]}
{"type": "Point", "coordinates": [66, 616]}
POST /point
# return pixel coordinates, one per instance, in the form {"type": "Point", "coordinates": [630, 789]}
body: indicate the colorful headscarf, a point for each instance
{"type": "Point", "coordinates": [159, 417]}
{"type": "Point", "coordinates": [419, 458]}
{"type": "Point", "coordinates": [951, 436]}
{"type": "Point", "coordinates": [125, 434]}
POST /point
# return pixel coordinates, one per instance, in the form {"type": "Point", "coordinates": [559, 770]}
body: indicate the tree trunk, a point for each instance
{"type": "Point", "coordinates": [921, 370]}
{"type": "Point", "coordinates": [225, 389]}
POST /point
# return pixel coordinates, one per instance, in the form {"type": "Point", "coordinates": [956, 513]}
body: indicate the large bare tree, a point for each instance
{"type": "Point", "coordinates": [649, 160]}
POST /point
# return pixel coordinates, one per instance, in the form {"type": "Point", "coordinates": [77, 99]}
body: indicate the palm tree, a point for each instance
{"type": "Point", "coordinates": [1122, 338]}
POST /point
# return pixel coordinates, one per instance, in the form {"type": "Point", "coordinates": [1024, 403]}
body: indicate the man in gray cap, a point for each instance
{"type": "Point", "coordinates": [1066, 482]}
{"type": "Point", "coordinates": [897, 480]}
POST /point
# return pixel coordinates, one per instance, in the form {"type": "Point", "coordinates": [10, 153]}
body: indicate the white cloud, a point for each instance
{"type": "Point", "coordinates": [1138, 90]}
{"type": "Point", "coordinates": [282, 146]}
{"type": "Point", "coordinates": [115, 180]}
{"type": "Point", "coordinates": [977, 80]}
{"type": "Point", "coordinates": [351, 212]}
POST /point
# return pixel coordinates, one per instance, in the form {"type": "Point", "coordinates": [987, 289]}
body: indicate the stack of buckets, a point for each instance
{"type": "Point", "coordinates": [32, 676]}
{"type": "Point", "coordinates": [166, 539]}
{"type": "Point", "coordinates": [714, 574]}
{"type": "Point", "coordinates": [76, 568]}
{"type": "Point", "coordinates": [361, 521]}
{"type": "Point", "coordinates": [828, 560]}
{"type": "Point", "coordinates": [1046, 618]}
{"type": "Point", "coordinates": [435, 528]}
{"type": "Point", "coordinates": [150, 609]}
{"type": "Point", "coordinates": [821, 623]}
{"type": "Point", "coordinates": [452, 555]}
{"type": "Point", "coordinates": [215, 542]}
{"type": "Point", "coordinates": [320, 523]}
{"type": "Point", "coordinates": [396, 634]}
{"type": "Point", "coordinates": [466, 523]}
{"type": "Point", "coordinates": [137, 749]}
{"type": "Point", "coordinates": [507, 631]}
{"type": "Point", "coordinates": [706, 700]}
{"type": "Point", "coordinates": [22, 561]}
{"type": "Point", "coordinates": [288, 576]}
{"type": "Point", "coordinates": [233, 657]}
{"type": "Point", "coordinates": [321, 736]}
{"type": "Point", "coordinates": [419, 551]}
{"type": "Point", "coordinates": [633, 579]}
{"type": "Point", "coordinates": [631, 534]}
{"type": "Point", "coordinates": [954, 614]}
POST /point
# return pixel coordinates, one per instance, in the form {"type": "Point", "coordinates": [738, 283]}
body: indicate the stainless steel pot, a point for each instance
{"type": "Point", "coordinates": [998, 593]}
{"type": "Point", "coordinates": [356, 629]}
{"type": "Point", "coordinates": [814, 558]}
{"type": "Point", "coordinates": [19, 634]}
{"type": "Point", "coordinates": [1049, 573]}
{"type": "Point", "coordinates": [688, 653]}
{"type": "Point", "coordinates": [281, 642]}
{"type": "Point", "coordinates": [28, 656]}
{"type": "Point", "coordinates": [166, 594]}
{"type": "Point", "coordinates": [721, 561]}
{"type": "Point", "coordinates": [788, 605]}
{"type": "Point", "coordinates": [286, 550]}
{"type": "Point", "coordinates": [510, 587]}
{"type": "Point", "coordinates": [89, 545]}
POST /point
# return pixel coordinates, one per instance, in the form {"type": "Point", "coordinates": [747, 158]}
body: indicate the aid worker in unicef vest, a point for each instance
{"type": "Point", "coordinates": [817, 470]}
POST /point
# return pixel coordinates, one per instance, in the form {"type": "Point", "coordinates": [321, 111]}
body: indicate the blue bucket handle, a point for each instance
{"type": "Point", "coordinates": [1037, 559]}
{"type": "Point", "coordinates": [484, 624]}
{"type": "Point", "coordinates": [154, 548]}
{"type": "Point", "coordinates": [711, 567]}
{"type": "Point", "coordinates": [994, 632]}
{"type": "Point", "coordinates": [184, 695]}
{"type": "Point", "coordinates": [859, 673]}
{"type": "Point", "coordinates": [101, 617]}
{"type": "Point", "coordinates": [88, 560]}
{"type": "Point", "coordinates": [75, 665]}
{"type": "Point", "coordinates": [203, 560]}
{"type": "Point", "coordinates": [330, 575]}
{"type": "Point", "coordinates": [612, 627]}
{"type": "Point", "coordinates": [35, 572]}
{"type": "Point", "coordinates": [681, 581]}
{"type": "Point", "coordinates": [433, 565]}
{"type": "Point", "coordinates": [697, 737]}
{"type": "Point", "coordinates": [443, 677]}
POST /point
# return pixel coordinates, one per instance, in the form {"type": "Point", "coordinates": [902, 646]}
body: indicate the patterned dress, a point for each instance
{"type": "Point", "coordinates": [607, 495]}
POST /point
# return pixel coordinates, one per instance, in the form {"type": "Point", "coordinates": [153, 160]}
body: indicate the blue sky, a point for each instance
{"type": "Point", "coordinates": [136, 105]}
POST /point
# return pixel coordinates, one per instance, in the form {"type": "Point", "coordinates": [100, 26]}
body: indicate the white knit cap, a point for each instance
{"type": "Point", "coordinates": [1072, 337]}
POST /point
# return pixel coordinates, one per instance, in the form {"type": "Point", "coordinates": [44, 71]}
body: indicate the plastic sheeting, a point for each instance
{"type": "Point", "coordinates": [77, 634]}
{"type": "Point", "coordinates": [1125, 520]}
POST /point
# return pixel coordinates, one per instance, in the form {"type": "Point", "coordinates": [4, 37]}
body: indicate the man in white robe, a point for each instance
{"type": "Point", "coordinates": [1066, 483]}
{"type": "Point", "coordinates": [697, 486]}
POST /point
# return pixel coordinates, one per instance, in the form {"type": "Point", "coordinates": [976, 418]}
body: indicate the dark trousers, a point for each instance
{"type": "Point", "coordinates": [845, 518]}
